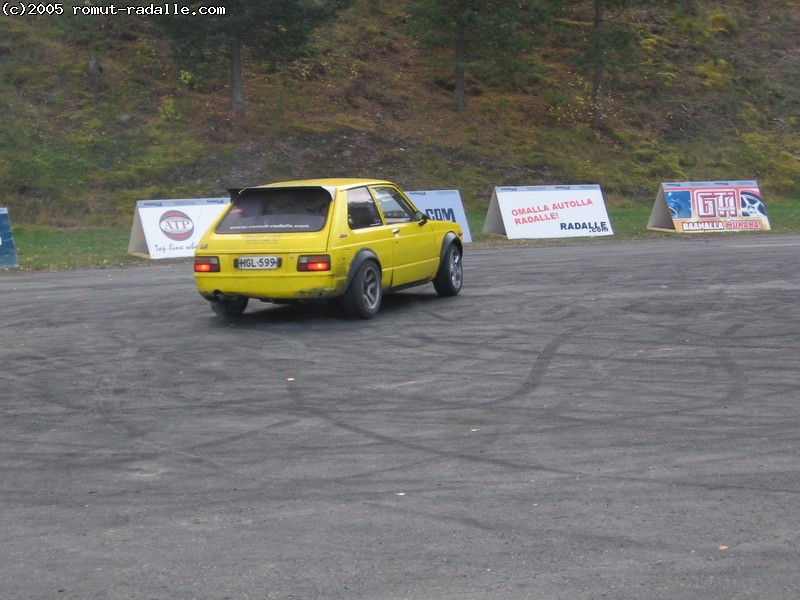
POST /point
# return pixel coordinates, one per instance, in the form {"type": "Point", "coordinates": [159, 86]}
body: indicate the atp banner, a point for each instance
{"type": "Point", "coordinates": [8, 253]}
{"type": "Point", "coordinates": [554, 211]}
{"type": "Point", "coordinates": [172, 228]}
{"type": "Point", "coordinates": [694, 207]}
{"type": "Point", "coordinates": [442, 205]}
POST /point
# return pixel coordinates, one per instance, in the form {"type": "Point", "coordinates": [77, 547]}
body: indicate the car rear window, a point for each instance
{"type": "Point", "coordinates": [278, 210]}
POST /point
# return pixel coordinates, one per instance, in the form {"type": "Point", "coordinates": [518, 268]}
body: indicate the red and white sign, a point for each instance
{"type": "Point", "coordinates": [176, 225]}
{"type": "Point", "coordinates": [698, 207]}
{"type": "Point", "coordinates": [172, 228]}
{"type": "Point", "coordinates": [553, 211]}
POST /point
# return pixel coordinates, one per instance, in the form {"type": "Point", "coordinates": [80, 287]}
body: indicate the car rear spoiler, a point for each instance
{"type": "Point", "coordinates": [235, 192]}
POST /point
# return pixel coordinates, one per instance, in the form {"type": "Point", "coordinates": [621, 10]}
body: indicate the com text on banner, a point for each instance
{"type": "Point", "coordinates": [172, 228]}
{"type": "Point", "coordinates": [553, 211]}
{"type": "Point", "coordinates": [702, 206]}
{"type": "Point", "coordinates": [442, 205]}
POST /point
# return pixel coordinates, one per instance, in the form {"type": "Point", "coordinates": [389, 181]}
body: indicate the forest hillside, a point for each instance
{"type": "Point", "coordinates": [98, 112]}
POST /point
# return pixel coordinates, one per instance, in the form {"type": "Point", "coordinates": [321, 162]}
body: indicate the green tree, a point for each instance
{"type": "Point", "coordinates": [485, 36]}
{"type": "Point", "coordinates": [269, 30]}
{"type": "Point", "coordinates": [611, 47]}
{"type": "Point", "coordinates": [612, 43]}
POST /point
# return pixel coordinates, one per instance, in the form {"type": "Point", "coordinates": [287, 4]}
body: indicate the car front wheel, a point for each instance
{"type": "Point", "coordinates": [363, 297]}
{"type": "Point", "coordinates": [229, 307]}
{"type": "Point", "coordinates": [450, 276]}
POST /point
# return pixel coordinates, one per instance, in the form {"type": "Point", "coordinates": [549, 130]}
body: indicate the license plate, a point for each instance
{"type": "Point", "coordinates": [258, 262]}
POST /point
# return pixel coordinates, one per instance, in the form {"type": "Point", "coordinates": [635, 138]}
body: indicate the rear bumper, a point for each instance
{"type": "Point", "coordinates": [299, 286]}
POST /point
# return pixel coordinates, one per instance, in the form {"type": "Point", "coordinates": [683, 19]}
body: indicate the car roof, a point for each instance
{"type": "Point", "coordinates": [329, 183]}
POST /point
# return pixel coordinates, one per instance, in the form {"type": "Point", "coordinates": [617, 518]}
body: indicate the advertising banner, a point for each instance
{"type": "Point", "coordinates": [443, 205]}
{"type": "Point", "coordinates": [697, 207]}
{"type": "Point", "coordinates": [172, 228]}
{"type": "Point", "coordinates": [8, 254]}
{"type": "Point", "coordinates": [554, 211]}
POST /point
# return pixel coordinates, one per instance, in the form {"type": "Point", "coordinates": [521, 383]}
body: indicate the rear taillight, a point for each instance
{"type": "Point", "coordinates": [315, 262]}
{"type": "Point", "coordinates": [206, 264]}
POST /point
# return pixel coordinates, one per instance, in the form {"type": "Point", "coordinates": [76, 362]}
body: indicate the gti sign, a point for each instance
{"type": "Point", "coordinates": [442, 205]}
{"type": "Point", "coordinates": [172, 228]}
{"type": "Point", "coordinates": [8, 254]}
{"type": "Point", "coordinates": [709, 206]}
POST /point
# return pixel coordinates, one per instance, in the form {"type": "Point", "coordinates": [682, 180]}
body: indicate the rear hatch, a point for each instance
{"type": "Point", "coordinates": [285, 219]}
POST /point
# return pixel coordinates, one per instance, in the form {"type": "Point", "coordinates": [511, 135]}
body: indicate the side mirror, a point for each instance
{"type": "Point", "coordinates": [420, 217]}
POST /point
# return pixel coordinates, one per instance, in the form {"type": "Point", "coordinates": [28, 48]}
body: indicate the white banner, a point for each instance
{"type": "Point", "coordinates": [442, 205]}
{"type": "Point", "coordinates": [172, 228]}
{"type": "Point", "coordinates": [554, 211]}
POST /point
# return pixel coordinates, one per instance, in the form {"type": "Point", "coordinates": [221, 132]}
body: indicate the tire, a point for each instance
{"type": "Point", "coordinates": [450, 276]}
{"type": "Point", "coordinates": [229, 307]}
{"type": "Point", "coordinates": [752, 205]}
{"type": "Point", "coordinates": [363, 297]}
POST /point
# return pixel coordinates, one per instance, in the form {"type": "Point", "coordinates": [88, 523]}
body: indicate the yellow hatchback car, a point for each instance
{"type": "Point", "coordinates": [347, 239]}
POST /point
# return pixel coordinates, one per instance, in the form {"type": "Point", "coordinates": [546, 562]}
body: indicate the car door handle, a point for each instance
{"type": "Point", "coordinates": [396, 230]}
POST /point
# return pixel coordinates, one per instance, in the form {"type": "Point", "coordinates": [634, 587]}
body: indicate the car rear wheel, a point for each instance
{"type": "Point", "coordinates": [363, 297]}
{"type": "Point", "coordinates": [450, 276]}
{"type": "Point", "coordinates": [229, 307]}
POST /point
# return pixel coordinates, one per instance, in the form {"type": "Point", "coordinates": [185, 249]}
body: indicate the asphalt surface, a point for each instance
{"type": "Point", "coordinates": [586, 420]}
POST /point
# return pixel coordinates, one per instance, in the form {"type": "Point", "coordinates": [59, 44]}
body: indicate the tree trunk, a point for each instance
{"type": "Point", "coordinates": [459, 91]}
{"type": "Point", "coordinates": [237, 84]}
{"type": "Point", "coordinates": [599, 63]}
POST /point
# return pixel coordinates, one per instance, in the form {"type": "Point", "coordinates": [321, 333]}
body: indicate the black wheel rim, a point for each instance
{"type": "Point", "coordinates": [371, 289]}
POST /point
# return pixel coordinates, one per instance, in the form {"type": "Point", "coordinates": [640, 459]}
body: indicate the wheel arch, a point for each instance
{"type": "Point", "coordinates": [450, 238]}
{"type": "Point", "coordinates": [359, 259]}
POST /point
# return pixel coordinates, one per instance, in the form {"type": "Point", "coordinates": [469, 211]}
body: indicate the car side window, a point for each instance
{"type": "Point", "coordinates": [361, 210]}
{"type": "Point", "coordinates": [393, 206]}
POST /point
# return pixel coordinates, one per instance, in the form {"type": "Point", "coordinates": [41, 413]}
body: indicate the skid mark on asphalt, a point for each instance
{"type": "Point", "coordinates": [306, 408]}
{"type": "Point", "coordinates": [537, 372]}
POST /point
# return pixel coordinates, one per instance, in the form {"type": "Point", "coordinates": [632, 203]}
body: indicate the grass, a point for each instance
{"type": "Point", "coordinates": [43, 249]}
